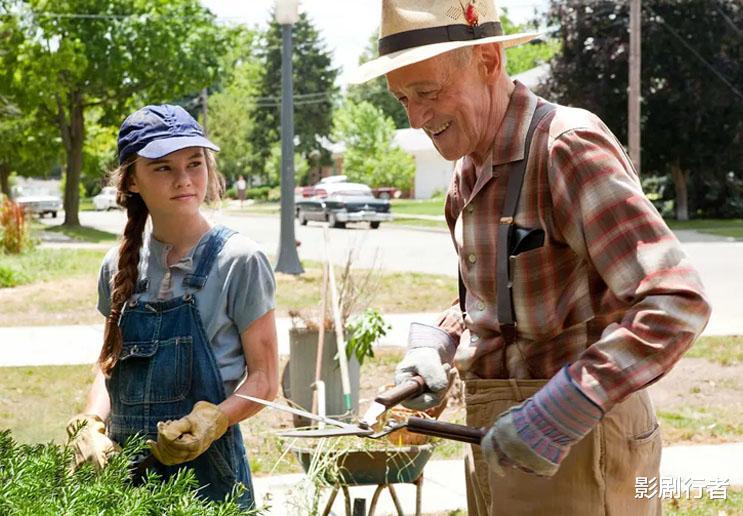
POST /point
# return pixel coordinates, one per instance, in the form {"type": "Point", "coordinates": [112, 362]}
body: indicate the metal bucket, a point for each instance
{"type": "Point", "coordinates": [393, 465]}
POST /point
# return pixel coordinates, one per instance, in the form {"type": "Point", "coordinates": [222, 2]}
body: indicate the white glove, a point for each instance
{"type": "Point", "coordinates": [430, 350]}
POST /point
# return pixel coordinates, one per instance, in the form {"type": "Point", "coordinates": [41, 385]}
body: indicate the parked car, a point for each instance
{"type": "Point", "coordinates": [340, 203]}
{"type": "Point", "coordinates": [386, 192]}
{"type": "Point", "coordinates": [39, 202]}
{"type": "Point", "coordinates": [106, 200]}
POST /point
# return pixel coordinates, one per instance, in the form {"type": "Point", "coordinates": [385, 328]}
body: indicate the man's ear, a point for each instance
{"type": "Point", "coordinates": [490, 60]}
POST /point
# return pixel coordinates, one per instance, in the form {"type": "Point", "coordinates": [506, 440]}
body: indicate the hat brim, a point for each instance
{"type": "Point", "coordinates": [164, 146]}
{"type": "Point", "coordinates": [395, 60]}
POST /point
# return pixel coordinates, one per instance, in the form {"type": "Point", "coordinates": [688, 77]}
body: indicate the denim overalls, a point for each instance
{"type": "Point", "coordinates": [165, 367]}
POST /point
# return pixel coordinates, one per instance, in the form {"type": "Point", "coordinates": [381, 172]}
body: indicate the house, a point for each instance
{"type": "Point", "coordinates": [432, 172]}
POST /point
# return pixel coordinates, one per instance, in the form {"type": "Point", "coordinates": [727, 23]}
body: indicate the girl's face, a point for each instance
{"type": "Point", "coordinates": [174, 184]}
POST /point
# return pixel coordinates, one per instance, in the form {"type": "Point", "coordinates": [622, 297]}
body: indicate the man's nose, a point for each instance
{"type": "Point", "coordinates": [418, 114]}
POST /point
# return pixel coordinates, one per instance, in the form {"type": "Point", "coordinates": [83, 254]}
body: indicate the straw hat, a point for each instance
{"type": "Point", "coordinates": [416, 30]}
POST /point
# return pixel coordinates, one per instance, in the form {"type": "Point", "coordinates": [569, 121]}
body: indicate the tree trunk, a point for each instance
{"type": "Point", "coordinates": [73, 137]}
{"type": "Point", "coordinates": [5, 178]}
{"type": "Point", "coordinates": [680, 178]}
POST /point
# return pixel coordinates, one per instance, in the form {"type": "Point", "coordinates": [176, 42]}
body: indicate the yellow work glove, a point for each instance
{"type": "Point", "coordinates": [90, 444]}
{"type": "Point", "coordinates": [185, 439]}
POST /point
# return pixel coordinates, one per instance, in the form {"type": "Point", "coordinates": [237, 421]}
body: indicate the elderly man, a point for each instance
{"type": "Point", "coordinates": [574, 294]}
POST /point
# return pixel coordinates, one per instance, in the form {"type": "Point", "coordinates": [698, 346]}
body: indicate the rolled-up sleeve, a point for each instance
{"type": "Point", "coordinates": [603, 215]}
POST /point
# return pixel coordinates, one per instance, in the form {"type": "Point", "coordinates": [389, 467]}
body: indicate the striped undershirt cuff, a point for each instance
{"type": "Point", "coordinates": [558, 416]}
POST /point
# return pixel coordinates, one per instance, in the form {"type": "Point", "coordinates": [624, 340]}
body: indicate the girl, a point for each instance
{"type": "Point", "coordinates": [189, 307]}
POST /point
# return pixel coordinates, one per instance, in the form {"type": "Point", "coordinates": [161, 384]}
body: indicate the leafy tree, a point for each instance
{"type": "Point", "coordinates": [272, 168]}
{"type": "Point", "coordinates": [692, 89]}
{"type": "Point", "coordinates": [371, 156]}
{"type": "Point", "coordinates": [109, 54]}
{"type": "Point", "coordinates": [24, 137]}
{"type": "Point", "coordinates": [230, 123]}
{"type": "Point", "coordinates": [314, 92]}
{"type": "Point", "coordinates": [375, 91]}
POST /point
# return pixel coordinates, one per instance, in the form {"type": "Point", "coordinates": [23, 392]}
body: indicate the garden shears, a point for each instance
{"type": "Point", "coordinates": [365, 426]}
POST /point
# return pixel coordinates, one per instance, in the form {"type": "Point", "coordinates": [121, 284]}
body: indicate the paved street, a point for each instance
{"type": "Point", "coordinates": [430, 251]}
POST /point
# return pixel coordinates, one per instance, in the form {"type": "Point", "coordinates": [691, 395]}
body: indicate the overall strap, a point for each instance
{"type": "Point", "coordinates": [504, 283]}
{"type": "Point", "coordinates": [212, 247]}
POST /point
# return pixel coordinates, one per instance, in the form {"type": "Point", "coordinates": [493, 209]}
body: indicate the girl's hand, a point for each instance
{"type": "Point", "coordinates": [185, 439]}
{"type": "Point", "coordinates": [89, 441]}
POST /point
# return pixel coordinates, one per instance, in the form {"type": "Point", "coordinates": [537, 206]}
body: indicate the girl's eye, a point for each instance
{"type": "Point", "coordinates": [162, 168]}
{"type": "Point", "coordinates": [194, 164]}
{"type": "Point", "coordinates": [429, 94]}
{"type": "Point", "coordinates": [403, 100]}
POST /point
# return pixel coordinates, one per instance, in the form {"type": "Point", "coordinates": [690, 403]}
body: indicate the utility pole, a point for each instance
{"type": "Point", "coordinates": [633, 107]}
{"type": "Point", "coordinates": [204, 107]}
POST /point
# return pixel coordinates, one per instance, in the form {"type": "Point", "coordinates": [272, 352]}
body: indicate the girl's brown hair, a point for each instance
{"type": "Point", "coordinates": [127, 271]}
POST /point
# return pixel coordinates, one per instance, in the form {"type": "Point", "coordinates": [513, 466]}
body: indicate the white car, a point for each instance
{"type": "Point", "coordinates": [38, 201]}
{"type": "Point", "coordinates": [106, 200]}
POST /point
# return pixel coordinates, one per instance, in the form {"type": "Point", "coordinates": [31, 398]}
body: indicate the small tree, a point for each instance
{"type": "Point", "coordinates": [371, 156]}
{"type": "Point", "coordinates": [107, 54]}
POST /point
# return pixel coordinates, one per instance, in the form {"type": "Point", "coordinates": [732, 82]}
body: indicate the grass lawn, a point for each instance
{"type": "Point", "coordinates": [696, 425]}
{"type": "Point", "coordinates": [59, 286]}
{"type": "Point", "coordinates": [727, 227]}
{"type": "Point", "coordinates": [80, 233]}
{"type": "Point", "coordinates": [418, 206]}
{"type": "Point", "coordinates": [723, 350]}
{"type": "Point", "coordinates": [400, 220]}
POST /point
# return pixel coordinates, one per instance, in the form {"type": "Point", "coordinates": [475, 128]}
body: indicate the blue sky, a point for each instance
{"type": "Point", "coordinates": [346, 25]}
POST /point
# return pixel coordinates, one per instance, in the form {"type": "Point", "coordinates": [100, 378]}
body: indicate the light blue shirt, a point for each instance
{"type": "Point", "coordinates": [239, 289]}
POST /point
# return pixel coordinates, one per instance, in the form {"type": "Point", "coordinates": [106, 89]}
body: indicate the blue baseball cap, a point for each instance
{"type": "Point", "coordinates": [156, 131]}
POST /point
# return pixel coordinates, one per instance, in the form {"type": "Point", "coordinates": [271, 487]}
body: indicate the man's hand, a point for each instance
{"type": "Point", "coordinates": [536, 435]}
{"type": "Point", "coordinates": [90, 444]}
{"type": "Point", "coordinates": [185, 439]}
{"type": "Point", "coordinates": [430, 350]}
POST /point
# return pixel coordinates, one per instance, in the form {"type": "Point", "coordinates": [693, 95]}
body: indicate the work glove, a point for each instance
{"type": "Point", "coordinates": [90, 444]}
{"type": "Point", "coordinates": [185, 439]}
{"type": "Point", "coordinates": [430, 351]}
{"type": "Point", "coordinates": [536, 435]}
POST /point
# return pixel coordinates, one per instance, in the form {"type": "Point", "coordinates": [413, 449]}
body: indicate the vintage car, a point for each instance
{"type": "Point", "coordinates": [341, 202]}
{"type": "Point", "coordinates": [39, 202]}
{"type": "Point", "coordinates": [106, 200]}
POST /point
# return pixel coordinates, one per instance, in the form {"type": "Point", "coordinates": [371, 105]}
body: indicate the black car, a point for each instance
{"type": "Point", "coordinates": [340, 203]}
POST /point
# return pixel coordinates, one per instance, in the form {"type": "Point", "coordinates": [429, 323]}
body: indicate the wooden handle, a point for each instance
{"type": "Point", "coordinates": [465, 434]}
{"type": "Point", "coordinates": [407, 389]}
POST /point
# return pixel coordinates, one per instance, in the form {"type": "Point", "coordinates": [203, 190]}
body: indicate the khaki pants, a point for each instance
{"type": "Point", "coordinates": [597, 477]}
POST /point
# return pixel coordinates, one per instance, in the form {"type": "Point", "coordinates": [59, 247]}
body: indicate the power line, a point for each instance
{"type": "Point", "coordinates": [695, 53]}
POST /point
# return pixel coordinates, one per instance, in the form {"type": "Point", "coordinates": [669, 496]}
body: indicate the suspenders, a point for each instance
{"type": "Point", "coordinates": [504, 291]}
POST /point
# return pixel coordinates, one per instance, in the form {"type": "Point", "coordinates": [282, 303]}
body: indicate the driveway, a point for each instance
{"type": "Point", "coordinates": [395, 248]}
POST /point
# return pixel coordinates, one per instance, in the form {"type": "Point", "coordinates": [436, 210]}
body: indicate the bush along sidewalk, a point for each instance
{"type": "Point", "coordinates": [36, 480]}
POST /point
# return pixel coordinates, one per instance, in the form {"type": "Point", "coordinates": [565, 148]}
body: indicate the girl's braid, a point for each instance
{"type": "Point", "coordinates": [126, 276]}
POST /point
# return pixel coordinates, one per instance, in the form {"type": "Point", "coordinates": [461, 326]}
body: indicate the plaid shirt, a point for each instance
{"type": "Point", "coordinates": [610, 291]}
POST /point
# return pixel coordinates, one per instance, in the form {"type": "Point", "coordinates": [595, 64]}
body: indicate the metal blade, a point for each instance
{"type": "Point", "coordinates": [298, 412]}
{"type": "Point", "coordinates": [324, 432]}
{"type": "Point", "coordinates": [372, 413]}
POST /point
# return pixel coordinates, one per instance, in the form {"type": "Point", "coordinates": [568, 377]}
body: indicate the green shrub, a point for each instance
{"type": "Point", "coordinates": [259, 193]}
{"type": "Point", "coordinates": [8, 277]}
{"type": "Point", "coordinates": [34, 479]}
{"type": "Point", "coordinates": [274, 194]}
